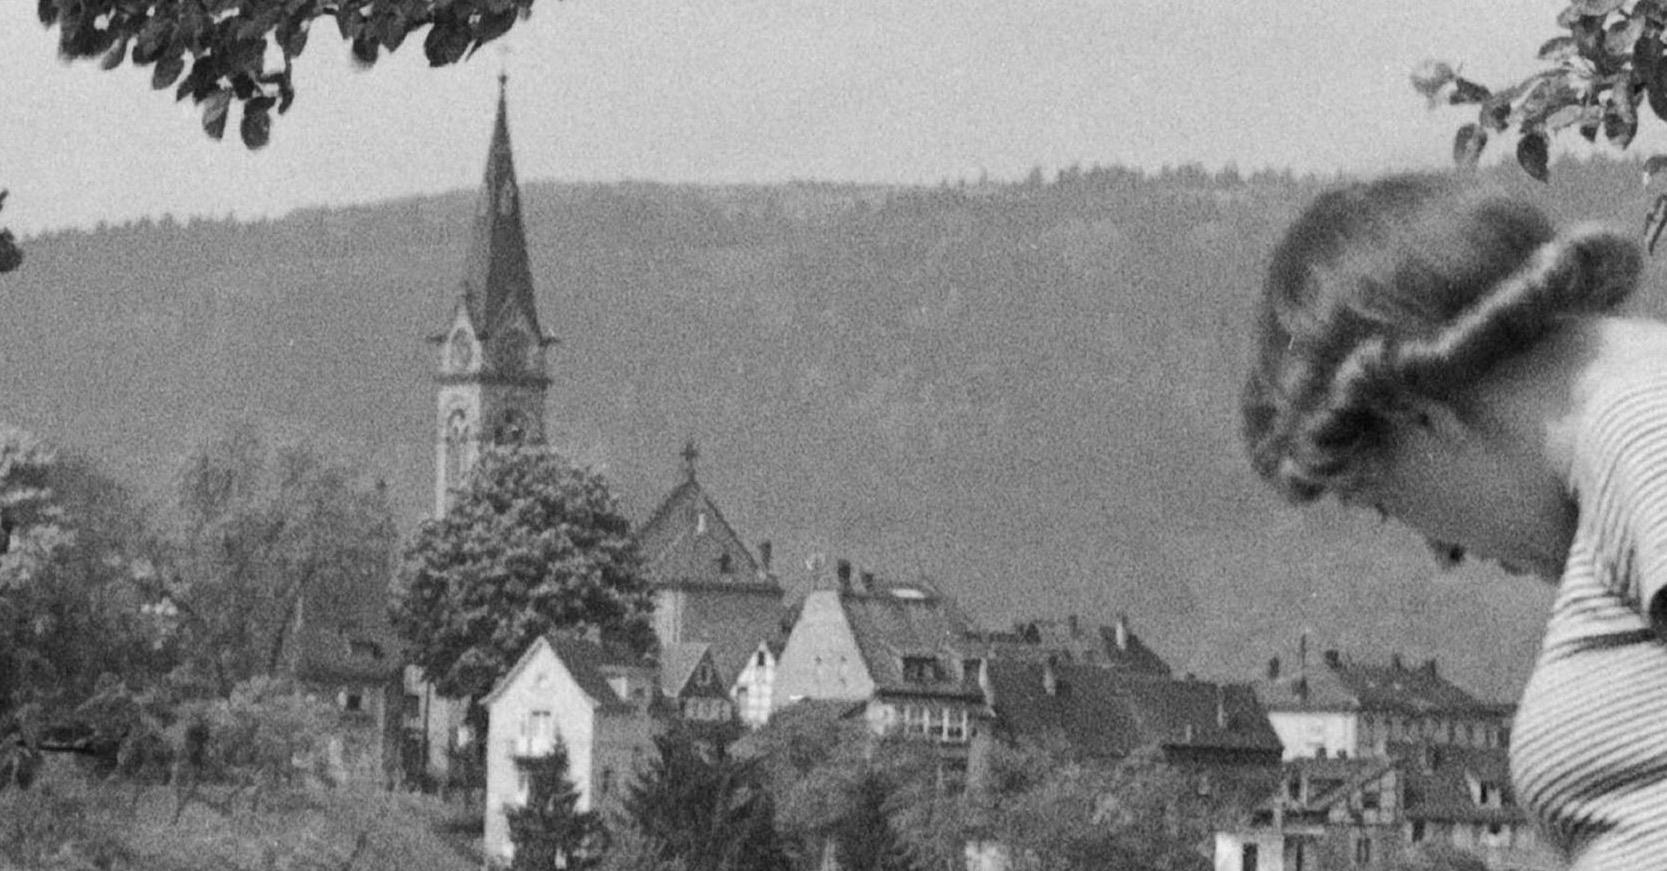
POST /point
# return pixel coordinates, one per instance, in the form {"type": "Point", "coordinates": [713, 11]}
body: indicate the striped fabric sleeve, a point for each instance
{"type": "Point", "coordinates": [1630, 512]}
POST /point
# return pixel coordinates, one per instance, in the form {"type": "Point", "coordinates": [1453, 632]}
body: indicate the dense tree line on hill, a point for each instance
{"type": "Point", "coordinates": [990, 383]}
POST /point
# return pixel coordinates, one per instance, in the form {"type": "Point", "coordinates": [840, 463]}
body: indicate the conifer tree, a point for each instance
{"type": "Point", "coordinates": [550, 831]}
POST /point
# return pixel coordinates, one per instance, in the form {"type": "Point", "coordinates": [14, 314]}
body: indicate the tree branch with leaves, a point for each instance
{"type": "Point", "coordinates": [1610, 62]}
{"type": "Point", "coordinates": [221, 53]}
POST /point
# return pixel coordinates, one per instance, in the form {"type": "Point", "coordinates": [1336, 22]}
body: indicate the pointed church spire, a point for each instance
{"type": "Point", "coordinates": [497, 281]}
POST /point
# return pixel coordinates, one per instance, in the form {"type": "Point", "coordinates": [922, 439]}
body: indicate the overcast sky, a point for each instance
{"type": "Point", "coordinates": [770, 90]}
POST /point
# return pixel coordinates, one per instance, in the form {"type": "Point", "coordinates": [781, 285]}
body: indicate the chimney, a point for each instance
{"type": "Point", "coordinates": [1334, 659]}
{"type": "Point", "coordinates": [1120, 631]}
{"type": "Point", "coordinates": [1302, 689]}
{"type": "Point", "coordinates": [765, 553]}
{"type": "Point", "coordinates": [843, 570]}
{"type": "Point", "coordinates": [1273, 668]}
{"type": "Point", "coordinates": [1050, 678]}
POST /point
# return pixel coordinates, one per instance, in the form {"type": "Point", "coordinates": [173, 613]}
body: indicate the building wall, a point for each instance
{"type": "Point", "coordinates": [753, 689]}
{"type": "Point", "coordinates": [543, 684]}
{"type": "Point", "coordinates": [1306, 733]}
{"type": "Point", "coordinates": [821, 659]}
{"type": "Point", "coordinates": [1261, 850]}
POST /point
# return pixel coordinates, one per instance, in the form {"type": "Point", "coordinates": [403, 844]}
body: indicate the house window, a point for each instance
{"type": "Point", "coordinates": [700, 523]}
{"type": "Point", "coordinates": [607, 780]}
{"type": "Point", "coordinates": [726, 564]}
{"type": "Point", "coordinates": [1363, 851]}
{"type": "Point", "coordinates": [970, 668]}
{"type": "Point", "coordinates": [1369, 799]}
{"type": "Point", "coordinates": [758, 659]}
{"type": "Point", "coordinates": [1418, 833]}
{"type": "Point", "coordinates": [523, 785]}
{"type": "Point", "coordinates": [1248, 858]}
{"type": "Point", "coordinates": [703, 675]}
{"type": "Point", "coordinates": [955, 726]}
{"type": "Point", "coordinates": [917, 720]}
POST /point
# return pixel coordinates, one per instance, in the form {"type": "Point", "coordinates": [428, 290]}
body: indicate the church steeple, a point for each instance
{"type": "Point", "coordinates": [497, 281]}
{"type": "Point", "coordinates": [492, 374]}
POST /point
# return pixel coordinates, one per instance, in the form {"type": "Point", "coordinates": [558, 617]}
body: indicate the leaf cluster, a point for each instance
{"type": "Point", "coordinates": [219, 53]}
{"type": "Point", "coordinates": [1599, 73]}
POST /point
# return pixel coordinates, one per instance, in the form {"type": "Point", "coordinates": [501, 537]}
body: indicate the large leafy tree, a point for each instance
{"type": "Point", "coordinates": [549, 830]}
{"type": "Point", "coordinates": [225, 53]}
{"type": "Point", "coordinates": [76, 551]}
{"type": "Point", "coordinates": [531, 544]}
{"type": "Point", "coordinates": [266, 529]}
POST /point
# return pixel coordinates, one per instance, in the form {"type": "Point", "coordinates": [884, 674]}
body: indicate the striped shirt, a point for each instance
{"type": "Point", "coordinates": [1589, 750]}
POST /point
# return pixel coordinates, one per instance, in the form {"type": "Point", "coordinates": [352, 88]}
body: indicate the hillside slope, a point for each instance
{"type": "Point", "coordinates": [1025, 393]}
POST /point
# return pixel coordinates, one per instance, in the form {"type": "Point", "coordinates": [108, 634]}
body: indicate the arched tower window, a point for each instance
{"type": "Point", "coordinates": [513, 351]}
{"type": "Point", "coordinates": [457, 445]}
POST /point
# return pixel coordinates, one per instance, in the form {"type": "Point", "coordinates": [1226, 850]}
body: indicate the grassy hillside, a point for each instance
{"type": "Point", "coordinates": [1026, 393]}
{"type": "Point", "coordinates": [68, 822]}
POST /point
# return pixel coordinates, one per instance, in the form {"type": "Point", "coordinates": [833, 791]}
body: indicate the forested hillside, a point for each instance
{"type": "Point", "coordinates": [1025, 392]}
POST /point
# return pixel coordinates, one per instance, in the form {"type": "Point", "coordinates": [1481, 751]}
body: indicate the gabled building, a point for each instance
{"type": "Point", "coordinates": [692, 685]}
{"type": "Point", "coordinates": [344, 649]}
{"type": "Point", "coordinates": [1342, 708]}
{"type": "Point", "coordinates": [904, 652]}
{"type": "Point", "coordinates": [601, 703]}
{"type": "Point", "coordinates": [709, 588]}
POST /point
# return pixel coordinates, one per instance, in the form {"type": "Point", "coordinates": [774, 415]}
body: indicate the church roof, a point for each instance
{"type": "Point", "coordinates": [497, 278]}
{"type": "Point", "coordinates": [687, 542]}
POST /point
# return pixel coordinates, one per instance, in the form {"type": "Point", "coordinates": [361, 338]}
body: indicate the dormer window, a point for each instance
{"type": "Point", "coordinates": [703, 675]}
{"type": "Point", "coordinates": [921, 669]}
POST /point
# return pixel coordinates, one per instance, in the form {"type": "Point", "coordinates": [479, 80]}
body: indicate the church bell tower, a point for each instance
{"type": "Point", "coordinates": [491, 376]}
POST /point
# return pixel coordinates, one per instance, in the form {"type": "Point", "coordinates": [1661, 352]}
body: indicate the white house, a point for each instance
{"type": "Point", "coordinates": [598, 702]}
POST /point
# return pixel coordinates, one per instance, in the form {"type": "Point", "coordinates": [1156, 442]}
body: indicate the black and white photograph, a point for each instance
{"type": "Point", "coordinates": [741, 435]}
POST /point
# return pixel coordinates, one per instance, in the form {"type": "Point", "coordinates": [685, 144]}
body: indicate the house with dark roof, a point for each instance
{"type": "Point", "coordinates": [690, 683]}
{"type": "Point", "coordinates": [603, 704]}
{"type": "Point", "coordinates": [904, 652]}
{"type": "Point", "coordinates": [1115, 647]}
{"type": "Point", "coordinates": [1107, 714]}
{"type": "Point", "coordinates": [1338, 707]}
{"type": "Point", "coordinates": [343, 647]}
{"type": "Point", "coordinates": [709, 588]}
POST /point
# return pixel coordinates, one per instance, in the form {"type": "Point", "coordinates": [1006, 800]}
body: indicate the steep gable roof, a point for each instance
{"type": "Point", "coordinates": [586, 661]}
{"type": "Point", "coordinates": [678, 662]}
{"type": "Point", "coordinates": [688, 542]}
